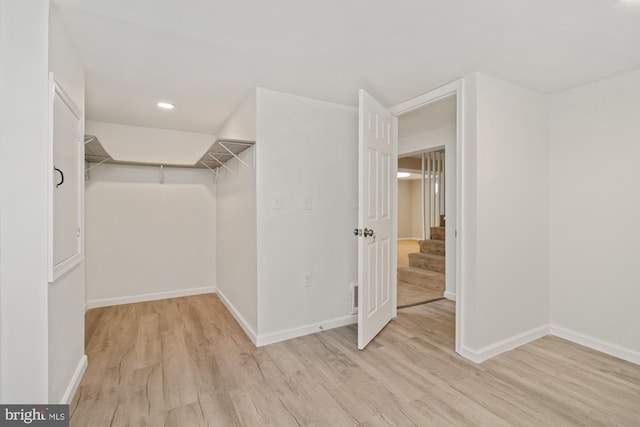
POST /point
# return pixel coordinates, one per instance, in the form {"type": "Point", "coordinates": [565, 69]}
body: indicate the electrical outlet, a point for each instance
{"type": "Point", "coordinates": [276, 205]}
{"type": "Point", "coordinates": [306, 280]}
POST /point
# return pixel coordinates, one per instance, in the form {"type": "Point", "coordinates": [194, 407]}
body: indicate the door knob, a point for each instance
{"type": "Point", "coordinates": [368, 232]}
{"type": "Point", "coordinates": [357, 232]}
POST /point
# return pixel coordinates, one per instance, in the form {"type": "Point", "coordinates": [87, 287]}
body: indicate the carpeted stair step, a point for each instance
{"type": "Point", "coordinates": [433, 247]}
{"type": "Point", "coordinates": [437, 233]}
{"type": "Point", "coordinates": [427, 262]}
{"type": "Point", "coordinates": [423, 278]}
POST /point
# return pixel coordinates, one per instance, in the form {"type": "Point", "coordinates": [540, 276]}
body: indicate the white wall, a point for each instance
{"type": "Point", "coordinates": [467, 223]}
{"type": "Point", "coordinates": [145, 239]}
{"type": "Point", "coordinates": [241, 125]}
{"type": "Point", "coordinates": [236, 272]}
{"type": "Point", "coordinates": [2, 110]}
{"type": "Point", "coordinates": [405, 212]}
{"type": "Point", "coordinates": [150, 145]}
{"type": "Point", "coordinates": [507, 203]}
{"type": "Point", "coordinates": [23, 201]}
{"type": "Point", "coordinates": [416, 208]}
{"type": "Point", "coordinates": [594, 211]}
{"type": "Point", "coordinates": [306, 151]}
{"type": "Point", "coordinates": [441, 137]}
{"type": "Point", "coordinates": [410, 208]}
{"type": "Point", "coordinates": [66, 295]}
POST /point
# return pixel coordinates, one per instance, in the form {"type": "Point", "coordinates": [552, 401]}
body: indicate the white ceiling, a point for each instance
{"type": "Point", "coordinates": [206, 55]}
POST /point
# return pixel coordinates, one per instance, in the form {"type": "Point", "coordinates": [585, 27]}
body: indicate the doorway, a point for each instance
{"type": "Point", "coordinates": [421, 228]}
{"type": "Point", "coordinates": [427, 143]}
{"type": "Point", "coordinates": [379, 149]}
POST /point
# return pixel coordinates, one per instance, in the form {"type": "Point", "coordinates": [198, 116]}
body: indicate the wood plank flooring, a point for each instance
{"type": "Point", "coordinates": [186, 362]}
{"type": "Point", "coordinates": [410, 295]}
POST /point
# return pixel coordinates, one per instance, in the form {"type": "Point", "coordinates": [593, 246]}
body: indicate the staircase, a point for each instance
{"type": "Point", "coordinates": [427, 267]}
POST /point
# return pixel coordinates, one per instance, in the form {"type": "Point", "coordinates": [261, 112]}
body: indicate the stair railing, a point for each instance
{"type": "Point", "coordinates": [433, 191]}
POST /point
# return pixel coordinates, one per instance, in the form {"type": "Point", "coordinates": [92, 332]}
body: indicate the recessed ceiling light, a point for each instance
{"type": "Point", "coordinates": [166, 105]}
{"type": "Point", "coordinates": [404, 174]}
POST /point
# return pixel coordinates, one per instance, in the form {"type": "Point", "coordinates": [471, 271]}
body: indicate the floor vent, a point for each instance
{"type": "Point", "coordinates": [354, 298]}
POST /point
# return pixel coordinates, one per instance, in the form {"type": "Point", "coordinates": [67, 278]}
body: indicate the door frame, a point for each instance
{"type": "Point", "coordinates": [457, 88]}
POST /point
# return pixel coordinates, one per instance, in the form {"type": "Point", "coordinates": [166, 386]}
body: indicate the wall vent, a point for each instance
{"type": "Point", "coordinates": [354, 298]}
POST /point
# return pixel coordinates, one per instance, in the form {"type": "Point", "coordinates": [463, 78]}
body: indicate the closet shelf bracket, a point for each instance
{"type": "Point", "coordinates": [214, 171]}
{"type": "Point", "coordinates": [222, 144]}
{"type": "Point", "coordinates": [223, 164]}
{"type": "Point", "coordinates": [95, 165]}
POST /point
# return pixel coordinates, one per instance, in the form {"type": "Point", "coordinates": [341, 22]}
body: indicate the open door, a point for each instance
{"type": "Point", "coordinates": [376, 259]}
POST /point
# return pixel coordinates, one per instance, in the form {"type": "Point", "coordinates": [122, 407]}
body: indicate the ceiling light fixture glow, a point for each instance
{"type": "Point", "coordinates": [404, 174]}
{"type": "Point", "coordinates": [166, 105]}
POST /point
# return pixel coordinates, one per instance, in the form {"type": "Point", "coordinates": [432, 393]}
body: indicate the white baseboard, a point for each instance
{"type": "Point", "coordinates": [287, 334]}
{"type": "Point", "coordinates": [450, 295]}
{"type": "Point", "coordinates": [75, 380]}
{"type": "Point", "coordinates": [410, 238]}
{"type": "Point", "coordinates": [148, 297]}
{"type": "Point", "coordinates": [239, 318]}
{"type": "Point", "coordinates": [492, 350]}
{"type": "Point", "coordinates": [597, 344]}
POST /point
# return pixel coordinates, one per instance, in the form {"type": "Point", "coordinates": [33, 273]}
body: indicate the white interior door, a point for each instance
{"type": "Point", "coordinates": [376, 255]}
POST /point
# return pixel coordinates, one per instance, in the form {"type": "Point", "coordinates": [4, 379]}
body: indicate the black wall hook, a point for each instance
{"type": "Point", "coordinates": [61, 176]}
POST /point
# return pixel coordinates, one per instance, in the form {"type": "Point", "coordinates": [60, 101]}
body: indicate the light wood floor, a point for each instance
{"type": "Point", "coordinates": [409, 295]}
{"type": "Point", "coordinates": [186, 362]}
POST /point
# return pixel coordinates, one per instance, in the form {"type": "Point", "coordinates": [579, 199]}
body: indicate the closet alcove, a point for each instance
{"type": "Point", "coordinates": [153, 201]}
{"type": "Point", "coordinates": [266, 226]}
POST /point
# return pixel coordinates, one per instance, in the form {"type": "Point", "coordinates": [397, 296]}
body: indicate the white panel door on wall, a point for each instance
{"type": "Point", "coordinates": [376, 216]}
{"type": "Point", "coordinates": [66, 182]}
